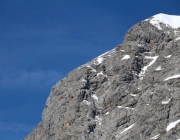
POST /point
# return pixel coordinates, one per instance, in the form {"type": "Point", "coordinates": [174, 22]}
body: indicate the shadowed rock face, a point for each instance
{"type": "Point", "coordinates": [123, 94]}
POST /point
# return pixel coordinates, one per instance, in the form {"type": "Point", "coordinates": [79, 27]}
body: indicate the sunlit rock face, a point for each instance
{"type": "Point", "coordinates": [129, 93]}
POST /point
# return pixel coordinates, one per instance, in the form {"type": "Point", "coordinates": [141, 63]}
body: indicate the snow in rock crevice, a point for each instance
{"type": "Point", "coordinates": [125, 107]}
{"type": "Point", "coordinates": [172, 77]}
{"type": "Point", "coordinates": [155, 137]}
{"type": "Point", "coordinates": [167, 56]}
{"type": "Point", "coordinates": [103, 56]}
{"type": "Point", "coordinates": [100, 60]}
{"type": "Point", "coordinates": [158, 68]}
{"type": "Point", "coordinates": [126, 57]}
{"type": "Point", "coordinates": [172, 125]}
{"type": "Point", "coordinates": [145, 67]}
{"type": "Point", "coordinates": [166, 102]}
{"type": "Point", "coordinates": [134, 95]}
{"type": "Point", "coordinates": [95, 97]}
{"type": "Point", "coordinates": [177, 39]}
{"type": "Point", "coordinates": [126, 129]}
{"type": "Point", "coordinates": [107, 113]}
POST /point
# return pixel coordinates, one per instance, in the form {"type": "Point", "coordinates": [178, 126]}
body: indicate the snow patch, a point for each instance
{"type": "Point", "coordinates": [155, 137]}
{"type": "Point", "coordinates": [126, 57]}
{"type": "Point", "coordinates": [172, 125]}
{"type": "Point", "coordinates": [100, 60]}
{"type": "Point", "coordinates": [166, 102]}
{"type": "Point", "coordinates": [158, 68]}
{"type": "Point", "coordinates": [170, 20]}
{"type": "Point", "coordinates": [107, 113]}
{"type": "Point", "coordinates": [172, 77]}
{"type": "Point", "coordinates": [134, 95]}
{"type": "Point", "coordinates": [167, 56]}
{"type": "Point", "coordinates": [83, 80]}
{"type": "Point", "coordinates": [145, 67]}
{"type": "Point", "coordinates": [95, 97]}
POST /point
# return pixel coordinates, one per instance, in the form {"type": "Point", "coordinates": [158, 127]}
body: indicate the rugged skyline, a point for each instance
{"type": "Point", "coordinates": [128, 93]}
{"type": "Point", "coordinates": [41, 42]}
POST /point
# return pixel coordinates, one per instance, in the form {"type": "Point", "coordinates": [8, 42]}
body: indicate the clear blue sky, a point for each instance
{"type": "Point", "coordinates": [43, 40]}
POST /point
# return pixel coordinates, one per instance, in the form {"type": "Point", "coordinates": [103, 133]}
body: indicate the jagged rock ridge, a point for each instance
{"type": "Point", "coordinates": [129, 93]}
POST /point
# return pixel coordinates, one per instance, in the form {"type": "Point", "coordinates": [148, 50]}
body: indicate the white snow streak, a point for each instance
{"type": "Point", "coordinates": [134, 95]}
{"type": "Point", "coordinates": [167, 56]}
{"type": "Point", "coordinates": [145, 67]}
{"type": "Point", "coordinates": [126, 129]}
{"type": "Point", "coordinates": [155, 137]}
{"type": "Point", "coordinates": [126, 57]}
{"type": "Point", "coordinates": [172, 77]}
{"type": "Point", "coordinates": [166, 102]}
{"type": "Point", "coordinates": [125, 107]}
{"type": "Point", "coordinates": [172, 125]}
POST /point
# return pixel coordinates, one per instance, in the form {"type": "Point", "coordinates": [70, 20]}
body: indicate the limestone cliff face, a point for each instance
{"type": "Point", "coordinates": [129, 93]}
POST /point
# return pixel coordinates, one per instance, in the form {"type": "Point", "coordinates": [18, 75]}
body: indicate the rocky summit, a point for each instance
{"type": "Point", "coordinates": [129, 93]}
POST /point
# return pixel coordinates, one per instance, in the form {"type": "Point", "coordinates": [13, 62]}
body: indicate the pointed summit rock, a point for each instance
{"type": "Point", "coordinates": [129, 93]}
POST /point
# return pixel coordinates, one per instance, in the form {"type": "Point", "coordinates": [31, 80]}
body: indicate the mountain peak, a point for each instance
{"type": "Point", "coordinates": [130, 92]}
{"type": "Point", "coordinates": [172, 21]}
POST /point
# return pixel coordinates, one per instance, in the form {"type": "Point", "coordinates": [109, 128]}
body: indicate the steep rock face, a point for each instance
{"type": "Point", "coordinates": [129, 93]}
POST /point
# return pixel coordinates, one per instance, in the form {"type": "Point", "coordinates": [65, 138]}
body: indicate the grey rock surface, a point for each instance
{"type": "Point", "coordinates": [129, 93]}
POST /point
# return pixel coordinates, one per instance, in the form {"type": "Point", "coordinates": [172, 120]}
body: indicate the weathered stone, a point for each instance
{"type": "Point", "coordinates": [118, 98]}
